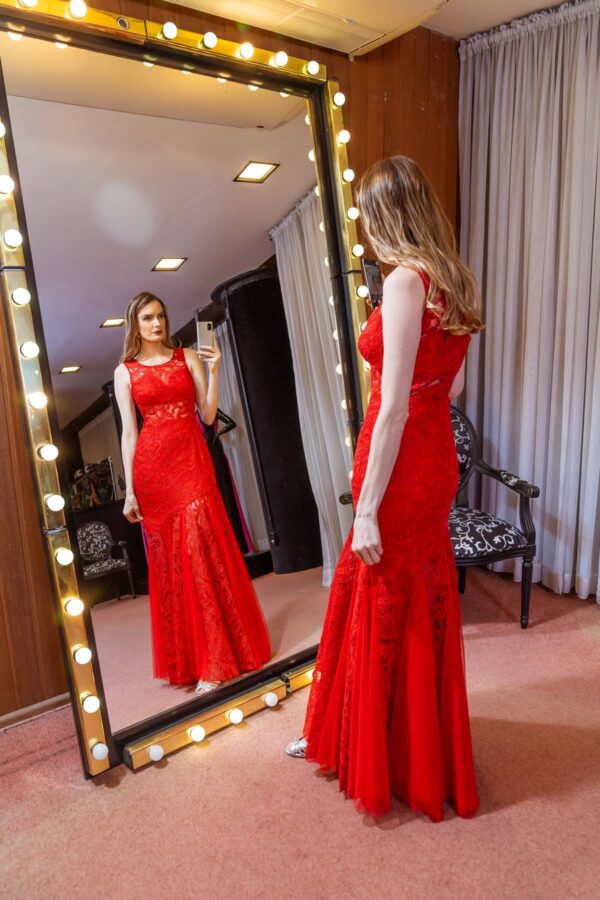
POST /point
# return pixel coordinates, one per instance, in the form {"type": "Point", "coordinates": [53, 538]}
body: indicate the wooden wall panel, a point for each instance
{"type": "Point", "coordinates": [402, 98]}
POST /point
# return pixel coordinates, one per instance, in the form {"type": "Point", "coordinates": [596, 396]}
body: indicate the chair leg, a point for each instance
{"type": "Point", "coordinates": [526, 591]}
{"type": "Point", "coordinates": [131, 583]}
{"type": "Point", "coordinates": [462, 579]}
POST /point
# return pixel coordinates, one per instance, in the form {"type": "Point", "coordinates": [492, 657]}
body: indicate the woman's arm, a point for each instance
{"type": "Point", "coordinates": [207, 397]}
{"type": "Point", "coordinates": [402, 313]}
{"type": "Point", "coordinates": [459, 383]}
{"type": "Point", "coordinates": [131, 509]}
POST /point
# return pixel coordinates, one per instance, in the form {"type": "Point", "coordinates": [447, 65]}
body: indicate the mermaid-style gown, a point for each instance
{"type": "Point", "coordinates": [205, 617]}
{"type": "Point", "coordinates": [388, 707]}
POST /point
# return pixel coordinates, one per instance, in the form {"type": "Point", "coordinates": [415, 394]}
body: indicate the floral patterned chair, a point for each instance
{"type": "Point", "coordinates": [96, 545]}
{"type": "Point", "coordinates": [478, 537]}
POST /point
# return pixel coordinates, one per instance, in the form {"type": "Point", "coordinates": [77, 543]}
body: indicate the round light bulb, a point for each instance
{"type": "Point", "coordinates": [358, 250]}
{"type": "Point", "coordinates": [246, 50]}
{"type": "Point", "coordinates": [339, 99]}
{"type": "Point", "coordinates": [60, 45]}
{"type": "Point", "coordinates": [28, 4]}
{"type": "Point", "coordinates": [252, 87]}
{"type": "Point", "coordinates": [348, 175]}
{"type": "Point", "coordinates": [367, 365]}
{"type": "Point", "coordinates": [55, 502]}
{"type": "Point", "coordinates": [15, 35]}
{"type": "Point", "coordinates": [37, 400]}
{"type": "Point", "coordinates": [235, 716]}
{"type": "Point", "coordinates": [363, 291]}
{"type": "Point", "coordinates": [222, 80]}
{"type": "Point", "coordinates": [2, 129]}
{"type": "Point", "coordinates": [20, 296]}
{"type": "Point", "coordinates": [363, 325]}
{"type": "Point", "coordinates": [82, 655]}
{"type": "Point", "coordinates": [353, 213]}
{"type": "Point", "coordinates": [338, 368]}
{"type": "Point", "coordinates": [331, 300]}
{"type": "Point", "coordinates": [99, 751]}
{"type": "Point", "coordinates": [322, 226]}
{"type": "Point", "coordinates": [311, 155]}
{"type": "Point", "coordinates": [283, 94]}
{"type": "Point", "coordinates": [13, 238]}
{"type": "Point", "coordinates": [64, 556]}
{"type": "Point", "coordinates": [343, 136]}
{"type": "Point", "coordinates": [326, 261]}
{"type": "Point", "coordinates": [29, 350]}
{"type": "Point", "coordinates": [185, 72]}
{"type": "Point", "coordinates": [74, 606]}
{"type": "Point", "coordinates": [48, 452]}
{"type": "Point", "coordinates": [271, 699]}
{"type": "Point", "coordinates": [350, 474]}
{"type": "Point", "coordinates": [335, 335]}
{"type": "Point", "coordinates": [148, 64]}
{"type": "Point", "coordinates": [78, 8]}
{"type": "Point", "coordinates": [307, 119]}
{"type": "Point", "coordinates": [344, 404]}
{"type": "Point", "coordinates": [155, 752]}
{"type": "Point", "coordinates": [310, 674]}
{"type": "Point", "coordinates": [317, 191]}
{"type": "Point", "coordinates": [281, 58]}
{"type": "Point", "coordinates": [347, 442]}
{"type": "Point", "coordinates": [210, 40]}
{"type": "Point", "coordinates": [169, 30]}
{"type": "Point", "coordinates": [91, 703]}
{"type": "Point", "coordinates": [312, 67]}
{"type": "Point", "coordinates": [7, 185]}
{"type": "Point", "coordinates": [197, 733]}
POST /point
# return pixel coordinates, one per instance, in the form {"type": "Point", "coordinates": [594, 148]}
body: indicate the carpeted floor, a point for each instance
{"type": "Point", "coordinates": [236, 818]}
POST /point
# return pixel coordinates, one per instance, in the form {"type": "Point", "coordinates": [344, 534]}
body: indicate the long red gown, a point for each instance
{"type": "Point", "coordinates": [205, 617]}
{"type": "Point", "coordinates": [388, 707]}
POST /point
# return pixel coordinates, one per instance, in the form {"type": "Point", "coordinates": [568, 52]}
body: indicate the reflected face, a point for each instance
{"type": "Point", "coordinates": [151, 322]}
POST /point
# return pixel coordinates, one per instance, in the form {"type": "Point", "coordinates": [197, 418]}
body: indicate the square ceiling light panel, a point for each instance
{"type": "Point", "coordinates": [169, 263]}
{"type": "Point", "coordinates": [256, 172]}
{"type": "Point", "coordinates": [112, 323]}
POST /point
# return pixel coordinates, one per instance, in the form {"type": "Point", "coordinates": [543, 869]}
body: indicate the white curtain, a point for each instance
{"type": "Point", "coordinates": [305, 286]}
{"type": "Point", "coordinates": [529, 130]}
{"type": "Point", "coordinates": [237, 446]}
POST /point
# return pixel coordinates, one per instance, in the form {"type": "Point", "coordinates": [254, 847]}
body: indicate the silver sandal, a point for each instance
{"type": "Point", "coordinates": [204, 687]}
{"type": "Point", "coordinates": [297, 748]}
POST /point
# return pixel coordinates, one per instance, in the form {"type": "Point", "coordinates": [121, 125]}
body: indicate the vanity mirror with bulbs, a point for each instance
{"type": "Point", "coordinates": [135, 157]}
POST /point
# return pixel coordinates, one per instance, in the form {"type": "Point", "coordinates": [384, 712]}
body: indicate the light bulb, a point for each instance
{"type": "Point", "coordinates": [13, 238]}
{"type": "Point", "coordinates": [343, 136]}
{"type": "Point", "coordinates": [367, 365]}
{"type": "Point", "coordinates": [37, 400]}
{"type": "Point", "coordinates": [358, 250]}
{"type": "Point", "coordinates": [311, 155]}
{"type": "Point", "coordinates": [169, 30]}
{"type": "Point", "coordinates": [90, 703]}
{"type": "Point", "coordinates": [310, 674]}
{"type": "Point", "coordinates": [344, 404]}
{"type": "Point", "coordinates": [312, 67]}
{"type": "Point", "coordinates": [283, 94]}
{"type": "Point", "coordinates": [331, 300]}
{"type": "Point", "coordinates": [210, 40]}
{"type": "Point", "coordinates": [317, 191]}
{"type": "Point", "coordinates": [348, 175]}
{"type": "Point", "coordinates": [326, 261]}
{"type": "Point", "coordinates": [246, 50]}
{"type": "Point", "coordinates": [197, 733]}
{"type": "Point", "coordinates": [339, 99]}
{"type": "Point", "coordinates": [322, 226]}
{"type": "Point", "coordinates": [2, 129]}
{"type": "Point", "coordinates": [353, 213]}
{"type": "Point", "coordinates": [77, 8]}
{"type": "Point", "coordinates": [307, 119]}
{"type": "Point", "coordinates": [148, 64]}
{"type": "Point", "coordinates": [350, 474]}
{"type": "Point", "coordinates": [55, 502]}
{"type": "Point", "coordinates": [363, 291]}
{"type": "Point", "coordinates": [29, 350]}
{"type": "Point", "coordinates": [64, 556]}
{"type": "Point", "coordinates": [60, 45]}
{"type": "Point", "coordinates": [347, 442]}
{"type": "Point", "coordinates": [99, 751]}
{"type": "Point", "coordinates": [235, 716]}
{"type": "Point", "coordinates": [252, 87]}
{"type": "Point", "coordinates": [281, 58]}
{"type": "Point", "coordinates": [155, 752]}
{"type": "Point", "coordinates": [20, 296]}
{"type": "Point", "coordinates": [271, 699]}
{"type": "Point", "coordinates": [28, 4]}
{"type": "Point", "coordinates": [15, 35]}
{"type": "Point", "coordinates": [185, 72]}
{"type": "Point", "coordinates": [363, 325]}
{"type": "Point", "coordinates": [222, 80]}
{"type": "Point", "coordinates": [82, 655]}
{"type": "Point", "coordinates": [335, 335]}
{"type": "Point", "coordinates": [7, 185]}
{"type": "Point", "coordinates": [48, 452]}
{"type": "Point", "coordinates": [74, 606]}
{"type": "Point", "coordinates": [338, 368]}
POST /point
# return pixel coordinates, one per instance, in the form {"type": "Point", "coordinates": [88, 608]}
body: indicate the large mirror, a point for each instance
{"type": "Point", "coordinates": [138, 178]}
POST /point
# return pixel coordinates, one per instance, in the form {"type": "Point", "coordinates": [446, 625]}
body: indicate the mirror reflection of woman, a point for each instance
{"type": "Point", "coordinates": [388, 706]}
{"type": "Point", "coordinates": [207, 625]}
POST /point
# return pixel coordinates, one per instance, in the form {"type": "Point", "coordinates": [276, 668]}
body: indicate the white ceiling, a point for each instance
{"type": "Point", "coordinates": [109, 191]}
{"type": "Point", "coordinates": [462, 18]}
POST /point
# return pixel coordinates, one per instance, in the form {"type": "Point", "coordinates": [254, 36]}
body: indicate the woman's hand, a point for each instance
{"type": "Point", "coordinates": [131, 509]}
{"type": "Point", "coordinates": [366, 541]}
{"type": "Point", "coordinates": [211, 356]}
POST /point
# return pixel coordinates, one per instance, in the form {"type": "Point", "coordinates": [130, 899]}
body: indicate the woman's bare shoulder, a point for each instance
{"type": "Point", "coordinates": [121, 373]}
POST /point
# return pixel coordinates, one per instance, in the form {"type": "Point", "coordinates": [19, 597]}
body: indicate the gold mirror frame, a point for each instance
{"type": "Point", "coordinates": [139, 39]}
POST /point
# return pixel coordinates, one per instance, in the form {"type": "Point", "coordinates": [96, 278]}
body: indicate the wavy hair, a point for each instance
{"type": "Point", "coordinates": [133, 342]}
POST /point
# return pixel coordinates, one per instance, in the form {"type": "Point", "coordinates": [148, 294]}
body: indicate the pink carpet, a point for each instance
{"type": "Point", "coordinates": [294, 607]}
{"type": "Point", "coordinates": [236, 818]}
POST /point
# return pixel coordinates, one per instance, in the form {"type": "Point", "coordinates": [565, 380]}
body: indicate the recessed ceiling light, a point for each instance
{"type": "Point", "coordinates": [256, 172]}
{"type": "Point", "coordinates": [169, 263]}
{"type": "Point", "coordinates": [112, 323]}
{"type": "Point", "coordinates": [68, 370]}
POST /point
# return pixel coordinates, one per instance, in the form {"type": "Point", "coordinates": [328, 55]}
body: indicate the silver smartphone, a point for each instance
{"type": "Point", "coordinates": [205, 334]}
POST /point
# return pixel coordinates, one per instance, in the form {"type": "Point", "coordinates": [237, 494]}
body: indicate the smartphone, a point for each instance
{"type": "Point", "coordinates": [374, 281]}
{"type": "Point", "coordinates": [205, 334]}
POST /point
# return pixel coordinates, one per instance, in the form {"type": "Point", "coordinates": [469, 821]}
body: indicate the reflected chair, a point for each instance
{"type": "Point", "coordinates": [96, 545]}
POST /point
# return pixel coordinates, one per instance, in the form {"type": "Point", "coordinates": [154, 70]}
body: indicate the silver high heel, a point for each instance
{"type": "Point", "coordinates": [297, 748]}
{"type": "Point", "coordinates": [204, 687]}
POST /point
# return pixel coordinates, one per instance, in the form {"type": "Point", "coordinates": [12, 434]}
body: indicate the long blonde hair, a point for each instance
{"type": "Point", "coordinates": [406, 225]}
{"type": "Point", "coordinates": [133, 342]}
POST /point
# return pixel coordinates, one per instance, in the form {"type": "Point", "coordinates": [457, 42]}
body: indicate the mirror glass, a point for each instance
{"type": "Point", "coordinates": [122, 165]}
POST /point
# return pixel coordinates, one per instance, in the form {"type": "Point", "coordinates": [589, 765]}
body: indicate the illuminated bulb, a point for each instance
{"type": "Point", "coordinates": [350, 474]}
{"type": "Point", "coordinates": [246, 50]}
{"type": "Point", "coordinates": [2, 129]}
{"type": "Point", "coordinates": [210, 40]}
{"type": "Point", "coordinates": [48, 452]}
{"type": "Point", "coordinates": [281, 58]}
{"type": "Point", "coordinates": [343, 136]}
{"type": "Point", "coordinates": [363, 326]}
{"type": "Point", "coordinates": [283, 94]}
{"type": "Point", "coordinates": [222, 80]}
{"type": "Point", "coordinates": [99, 751]}
{"type": "Point", "coordinates": [307, 119]}
{"type": "Point", "coordinates": [148, 64]}
{"type": "Point", "coordinates": [20, 296]}
{"type": "Point", "coordinates": [29, 350]}
{"type": "Point", "coordinates": [344, 404]}
{"type": "Point", "coordinates": [77, 8]}
{"type": "Point", "coordinates": [91, 703]}
{"type": "Point", "coordinates": [169, 30]}
{"type": "Point", "coordinates": [326, 261]}
{"type": "Point", "coordinates": [13, 238]}
{"type": "Point", "coordinates": [367, 365]}
{"type": "Point", "coordinates": [358, 250]}
{"type": "Point", "coordinates": [310, 674]}
{"type": "Point", "coordinates": [271, 699]}
{"type": "Point", "coordinates": [82, 655]}
{"type": "Point", "coordinates": [338, 368]}
{"type": "Point", "coordinates": [7, 185]}
{"type": "Point", "coordinates": [15, 36]}
{"type": "Point", "coordinates": [339, 99]}
{"type": "Point", "coordinates": [353, 213]}
{"type": "Point", "coordinates": [322, 226]}
{"type": "Point", "coordinates": [197, 733]}
{"type": "Point", "coordinates": [335, 335]}
{"type": "Point", "coordinates": [55, 502]}
{"type": "Point", "coordinates": [60, 45]}
{"type": "Point", "coordinates": [185, 72]}
{"type": "Point", "coordinates": [37, 400]}
{"type": "Point", "coordinates": [317, 191]}
{"type": "Point", "coordinates": [64, 556]}
{"type": "Point", "coordinates": [155, 752]}
{"type": "Point", "coordinates": [74, 606]}
{"type": "Point", "coordinates": [311, 155]}
{"type": "Point", "coordinates": [347, 442]}
{"type": "Point", "coordinates": [252, 87]}
{"type": "Point", "coordinates": [363, 291]}
{"type": "Point", "coordinates": [312, 67]}
{"type": "Point", "coordinates": [348, 175]}
{"type": "Point", "coordinates": [331, 300]}
{"type": "Point", "coordinates": [235, 716]}
{"type": "Point", "coordinates": [28, 4]}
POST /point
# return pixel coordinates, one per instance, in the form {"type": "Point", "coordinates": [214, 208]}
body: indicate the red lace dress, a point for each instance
{"type": "Point", "coordinates": [388, 708]}
{"type": "Point", "coordinates": [206, 621]}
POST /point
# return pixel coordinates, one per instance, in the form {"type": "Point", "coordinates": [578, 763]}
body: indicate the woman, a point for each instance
{"type": "Point", "coordinates": [388, 709]}
{"type": "Point", "coordinates": [207, 625]}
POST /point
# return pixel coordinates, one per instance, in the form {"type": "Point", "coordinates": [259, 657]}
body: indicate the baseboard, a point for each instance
{"type": "Point", "coordinates": [30, 712]}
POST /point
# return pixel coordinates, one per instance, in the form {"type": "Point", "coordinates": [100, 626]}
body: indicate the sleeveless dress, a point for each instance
{"type": "Point", "coordinates": [205, 617]}
{"type": "Point", "coordinates": [388, 707]}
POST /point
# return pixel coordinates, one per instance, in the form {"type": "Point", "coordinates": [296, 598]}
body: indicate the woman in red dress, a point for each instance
{"type": "Point", "coordinates": [388, 707]}
{"type": "Point", "coordinates": [207, 625]}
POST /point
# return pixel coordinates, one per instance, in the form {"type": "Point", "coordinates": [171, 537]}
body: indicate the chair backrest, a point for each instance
{"type": "Point", "coordinates": [465, 438]}
{"type": "Point", "coordinates": [95, 540]}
